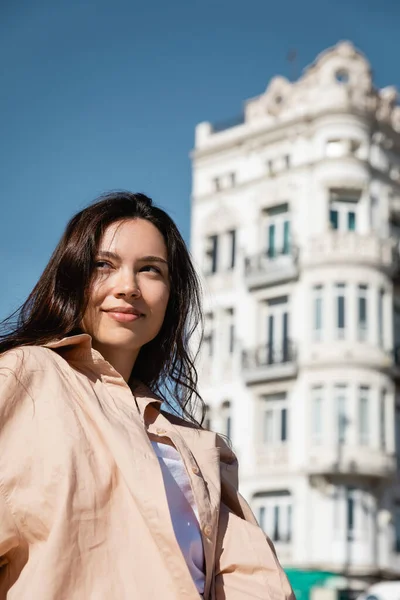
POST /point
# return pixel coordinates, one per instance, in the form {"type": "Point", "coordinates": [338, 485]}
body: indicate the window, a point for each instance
{"type": "Point", "coordinates": [278, 230]}
{"type": "Point", "coordinates": [334, 218]}
{"type": "Point", "coordinates": [363, 416]}
{"type": "Point", "coordinates": [375, 215]}
{"type": "Point", "coordinates": [284, 424]}
{"type": "Point", "coordinates": [316, 414]}
{"type": "Point", "coordinates": [350, 512]}
{"type": "Point", "coordinates": [340, 293]}
{"type": "Point", "coordinates": [211, 254]}
{"type": "Point", "coordinates": [227, 418]}
{"type": "Point", "coordinates": [270, 167]}
{"type": "Point", "coordinates": [355, 514]}
{"type": "Point", "coordinates": [382, 419]}
{"type": "Point", "coordinates": [274, 420]}
{"type": "Point", "coordinates": [232, 247]}
{"type": "Point", "coordinates": [286, 237]}
{"type": "Point", "coordinates": [340, 397]}
{"type": "Point", "coordinates": [274, 510]}
{"type": "Point", "coordinates": [217, 184]}
{"type": "Point", "coordinates": [275, 535]}
{"type": "Point", "coordinates": [261, 517]}
{"type": "Point", "coordinates": [287, 161]}
{"type": "Point", "coordinates": [230, 330]}
{"type": "Point", "coordinates": [362, 312]}
{"type": "Point", "coordinates": [271, 240]}
{"type": "Point", "coordinates": [397, 418]}
{"type": "Point", "coordinates": [232, 179]}
{"type": "Point", "coordinates": [208, 339]}
{"type": "Point", "coordinates": [351, 220]}
{"type": "Point", "coordinates": [318, 291]}
{"type": "Point", "coordinates": [381, 303]}
{"type": "Point", "coordinates": [397, 528]}
{"type": "Point", "coordinates": [269, 435]}
{"type": "Point", "coordinates": [343, 206]}
{"type": "Point", "coordinates": [278, 347]}
{"type": "Point", "coordinates": [207, 417]}
{"type": "Point", "coordinates": [396, 325]}
{"type": "Point", "coordinates": [394, 227]}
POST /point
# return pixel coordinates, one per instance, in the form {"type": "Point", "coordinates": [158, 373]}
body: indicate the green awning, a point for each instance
{"type": "Point", "coordinates": [302, 581]}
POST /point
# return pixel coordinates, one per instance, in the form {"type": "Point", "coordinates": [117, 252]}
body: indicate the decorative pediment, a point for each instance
{"type": "Point", "coordinates": [339, 75]}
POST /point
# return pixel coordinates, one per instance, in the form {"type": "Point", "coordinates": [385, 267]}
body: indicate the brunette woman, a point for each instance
{"type": "Point", "coordinates": [103, 495]}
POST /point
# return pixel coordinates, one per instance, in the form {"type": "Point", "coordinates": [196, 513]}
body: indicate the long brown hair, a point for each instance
{"type": "Point", "coordinates": [55, 307]}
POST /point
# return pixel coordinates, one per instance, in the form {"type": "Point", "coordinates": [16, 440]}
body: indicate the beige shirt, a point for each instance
{"type": "Point", "coordinates": [83, 510]}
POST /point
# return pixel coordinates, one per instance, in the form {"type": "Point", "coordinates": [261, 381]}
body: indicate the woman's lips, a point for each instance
{"type": "Point", "coordinates": [123, 317]}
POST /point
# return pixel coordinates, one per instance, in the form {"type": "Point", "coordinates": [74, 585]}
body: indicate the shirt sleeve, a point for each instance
{"type": "Point", "coordinates": [8, 532]}
{"type": "Point", "coordinates": [246, 564]}
{"type": "Point", "coordinates": [247, 567]}
{"type": "Point", "coordinates": [9, 402]}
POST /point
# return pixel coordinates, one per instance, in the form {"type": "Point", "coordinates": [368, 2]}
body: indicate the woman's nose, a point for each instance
{"type": "Point", "coordinates": [127, 286]}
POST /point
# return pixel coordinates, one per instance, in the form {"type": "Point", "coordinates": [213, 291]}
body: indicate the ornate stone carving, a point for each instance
{"type": "Point", "coordinates": [340, 78]}
{"type": "Point", "coordinates": [276, 95]}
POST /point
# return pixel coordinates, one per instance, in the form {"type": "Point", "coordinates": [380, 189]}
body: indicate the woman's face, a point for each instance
{"type": "Point", "coordinates": [130, 290]}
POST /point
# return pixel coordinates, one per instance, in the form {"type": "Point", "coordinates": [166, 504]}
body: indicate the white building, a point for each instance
{"type": "Point", "coordinates": [295, 226]}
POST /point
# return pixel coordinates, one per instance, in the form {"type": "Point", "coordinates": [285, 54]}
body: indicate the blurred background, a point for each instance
{"type": "Point", "coordinates": [270, 132]}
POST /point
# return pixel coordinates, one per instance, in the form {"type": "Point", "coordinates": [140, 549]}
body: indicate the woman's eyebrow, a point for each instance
{"type": "Point", "coordinates": [108, 254]}
{"type": "Point", "coordinates": [154, 259]}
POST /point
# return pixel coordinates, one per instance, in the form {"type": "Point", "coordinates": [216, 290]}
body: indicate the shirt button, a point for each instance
{"type": "Point", "coordinates": [207, 530]}
{"type": "Point", "coordinates": [161, 431]}
{"type": "Point", "coordinates": [195, 470]}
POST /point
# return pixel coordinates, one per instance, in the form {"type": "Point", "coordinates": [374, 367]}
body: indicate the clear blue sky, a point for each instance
{"type": "Point", "coordinates": [104, 94]}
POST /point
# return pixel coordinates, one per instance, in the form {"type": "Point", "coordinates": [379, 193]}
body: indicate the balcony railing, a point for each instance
{"type": "Point", "coordinates": [271, 266]}
{"type": "Point", "coordinates": [269, 361]}
{"type": "Point", "coordinates": [343, 247]}
{"type": "Point", "coordinates": [353, 461]}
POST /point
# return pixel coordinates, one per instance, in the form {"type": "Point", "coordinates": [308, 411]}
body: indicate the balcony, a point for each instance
{"type": "Point", "coordinates": [348, 247]}
{"type": "Point", "coordinates": [351, 461]}
{"type": "Point", "coordinates": [271, 267]}
{"type": "Point", "coordinates": [268, 362]}
{"type": "Point", "coordinates": [275, 457]}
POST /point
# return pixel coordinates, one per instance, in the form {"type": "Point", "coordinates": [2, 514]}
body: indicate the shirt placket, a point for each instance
{"type": "Point", "coordinates": [207, 520]}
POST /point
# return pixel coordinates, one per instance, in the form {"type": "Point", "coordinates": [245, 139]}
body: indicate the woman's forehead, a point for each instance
{"type": "Point", "coordinates": [133, 235]}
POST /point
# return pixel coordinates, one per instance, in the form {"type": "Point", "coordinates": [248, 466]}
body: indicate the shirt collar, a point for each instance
{"type": "Point", "coordinates": [78, 348]}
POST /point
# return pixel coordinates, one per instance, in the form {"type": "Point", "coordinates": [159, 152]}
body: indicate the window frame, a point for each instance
{"type": "Point", "coordinates": [274, 421]}
{"type": "Point", "coordinates": [340, 293]}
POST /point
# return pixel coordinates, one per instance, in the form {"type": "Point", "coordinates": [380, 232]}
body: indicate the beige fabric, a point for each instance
{"type": "Point", "coordinates": [83, 512]}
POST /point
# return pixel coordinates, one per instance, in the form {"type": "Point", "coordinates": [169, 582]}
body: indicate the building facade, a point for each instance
{"type": "Point", "coordinates": [295, 228]}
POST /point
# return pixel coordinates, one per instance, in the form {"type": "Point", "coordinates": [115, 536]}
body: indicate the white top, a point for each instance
{"type": "Point", "coordinates": [183, 510]}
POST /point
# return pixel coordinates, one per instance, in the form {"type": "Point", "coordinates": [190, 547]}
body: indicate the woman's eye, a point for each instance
{"type": "Point", "coordinates": [151, 268]}
{"type": "Point", "coordinates": [102, 264]}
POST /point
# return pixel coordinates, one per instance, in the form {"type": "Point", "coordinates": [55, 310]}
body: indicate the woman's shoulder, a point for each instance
{"type": "Point", "coordinates": [24, 362]}
{"type": "Point", "coordinates": [29, 354]}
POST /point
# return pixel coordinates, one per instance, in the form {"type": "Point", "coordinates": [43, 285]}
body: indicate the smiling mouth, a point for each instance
{"type": "Point", "coordinates": [124, 317]}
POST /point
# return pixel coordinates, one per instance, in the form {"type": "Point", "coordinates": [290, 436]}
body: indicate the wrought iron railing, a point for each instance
{"type": "Point", "coordinates": [263, 260]}
{"type": "Point", "coordinates": [269, 355]}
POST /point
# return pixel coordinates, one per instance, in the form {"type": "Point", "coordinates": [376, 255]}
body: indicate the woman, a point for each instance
{"type": "Point", "coordinates": [103, 495]}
